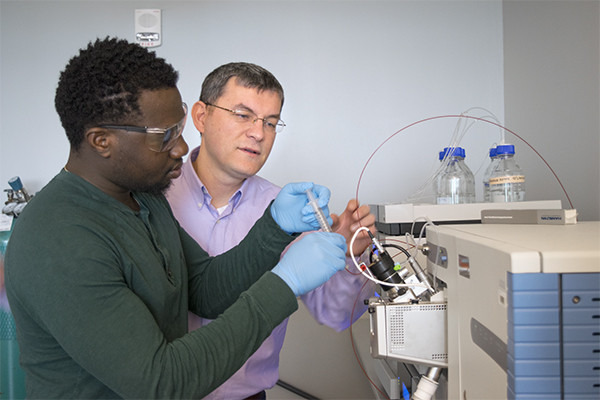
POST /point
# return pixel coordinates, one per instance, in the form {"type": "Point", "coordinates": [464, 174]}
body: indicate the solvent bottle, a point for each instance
{"type": "Point", "coordinates": [507, 181]}
{"type": "Point", "coordinates": [456, 183]}
{"type": "Point", "coordinates": [486, 176]}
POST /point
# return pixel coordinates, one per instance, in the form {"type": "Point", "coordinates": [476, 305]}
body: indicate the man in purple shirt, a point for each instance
{"type": "Point", "coordinates": [218, 198]}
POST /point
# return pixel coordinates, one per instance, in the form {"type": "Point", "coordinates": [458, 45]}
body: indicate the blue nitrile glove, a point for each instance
{"type": "Point", "coordinates": [311, 261]}
{"type": "Point", "coordinates": [291, 210]}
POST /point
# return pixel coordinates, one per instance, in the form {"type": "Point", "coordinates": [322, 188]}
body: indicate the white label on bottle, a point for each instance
{"type": "Point", "coordinates": [507, 179]}
{"type": "Point", "coordinates": [5, 222]}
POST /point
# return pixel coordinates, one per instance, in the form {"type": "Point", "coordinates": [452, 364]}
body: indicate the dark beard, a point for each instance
{"type": "Point", "coordinates": [157, 189]}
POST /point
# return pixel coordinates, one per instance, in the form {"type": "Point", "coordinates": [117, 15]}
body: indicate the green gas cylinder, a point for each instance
{"type": "Point", "coordinates": [12, 377]}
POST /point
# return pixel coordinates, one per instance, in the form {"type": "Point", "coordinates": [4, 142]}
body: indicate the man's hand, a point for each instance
{"type": "Point", "coordinates": [350, 220]}
{"type": "Point", "coordinates": [311, 261]}
{"type": "Point", "coordinates": [291, 211]}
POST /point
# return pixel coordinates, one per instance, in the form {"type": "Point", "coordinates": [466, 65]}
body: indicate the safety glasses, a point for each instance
{"type": "Point", "coordinates": [157, 139]}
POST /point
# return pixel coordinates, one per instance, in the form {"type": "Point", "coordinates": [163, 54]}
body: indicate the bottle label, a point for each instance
{"type": "Point", "coordinates": [507, 179]}
{"type": "Point", "coordinates": [5, 222]}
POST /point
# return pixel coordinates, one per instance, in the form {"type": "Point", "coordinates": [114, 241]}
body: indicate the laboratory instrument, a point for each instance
{"type": "Point", "coordinates": [408, 308]}
{"type": "Point", "coordinates": [523, 307]}
{"type": "Point", "coordinates": [314, 203]}
{"type": "Point", "coordinates": [428, 341]}
{"type": "Point", "coordinates": [401, 218]}
{"type": "Point", "coordinates": [514, 314]}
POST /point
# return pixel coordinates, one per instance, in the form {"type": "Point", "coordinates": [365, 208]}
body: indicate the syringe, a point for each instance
{"type": "Point", "coordinates": [325, 227]}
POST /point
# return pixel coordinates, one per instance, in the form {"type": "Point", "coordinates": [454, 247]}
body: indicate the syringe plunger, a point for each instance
{"type": "Point", "coordinates": [325, 227]}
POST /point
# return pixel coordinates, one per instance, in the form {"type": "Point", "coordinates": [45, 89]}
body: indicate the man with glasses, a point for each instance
{"type": "Point", "coordinates": [99, 274]}
{"type": "Point", "coordinates": [219, 196]}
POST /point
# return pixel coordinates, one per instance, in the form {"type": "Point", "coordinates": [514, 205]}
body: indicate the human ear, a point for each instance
{"type": "Point", "coordinates": [101, 140]}
{"type": "Point", "coordinates": [199, 115]}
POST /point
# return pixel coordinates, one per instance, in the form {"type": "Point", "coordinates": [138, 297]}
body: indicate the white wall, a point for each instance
{"type": "Point", "coordinates": [354, 73]}
{"type": "Point", "coordinates": [552, 97]}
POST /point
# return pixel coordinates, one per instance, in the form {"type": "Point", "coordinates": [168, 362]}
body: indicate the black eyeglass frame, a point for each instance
{"type": "Point", "coordinates": [278, 127]}
{"type": "Point", "coordinates": [157, 139]}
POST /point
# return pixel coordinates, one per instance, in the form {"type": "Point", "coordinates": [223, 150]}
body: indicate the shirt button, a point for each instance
{"type": "Point", "coordinates": [170, 273]}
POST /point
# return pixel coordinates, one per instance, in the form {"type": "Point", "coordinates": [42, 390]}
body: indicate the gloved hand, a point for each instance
{"type": "Point", "coordinates": [291, 210]}
{"type": "Point", "coordinates": [311, 261]}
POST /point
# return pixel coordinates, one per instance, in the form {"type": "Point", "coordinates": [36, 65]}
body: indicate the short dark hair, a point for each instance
{"type": "Point", "coordinates": [246, 74]}
{"type": "Point", "coordinates": [102, 85]}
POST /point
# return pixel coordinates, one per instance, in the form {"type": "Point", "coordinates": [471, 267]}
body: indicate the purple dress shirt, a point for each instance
{"type": "Point", "coordinates": [330, 304]}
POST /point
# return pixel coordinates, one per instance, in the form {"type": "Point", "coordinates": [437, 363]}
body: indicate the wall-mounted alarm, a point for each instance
{"type": "Point", "coordinates": [147, 27]}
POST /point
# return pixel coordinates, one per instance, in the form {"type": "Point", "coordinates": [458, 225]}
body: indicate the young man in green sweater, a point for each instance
{"type": "Point", "coordinates": [99, 274]}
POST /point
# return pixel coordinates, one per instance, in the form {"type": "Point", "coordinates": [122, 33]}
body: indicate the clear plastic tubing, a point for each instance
{"type": "Point", "coordinates": [325, 227]}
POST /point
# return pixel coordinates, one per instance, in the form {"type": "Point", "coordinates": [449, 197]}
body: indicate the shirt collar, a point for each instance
{"type": "Point", "coordinates": [202, 195]}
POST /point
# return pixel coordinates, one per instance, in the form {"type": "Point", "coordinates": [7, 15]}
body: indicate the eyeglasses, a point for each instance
{"type": "Point", "coordinates": [157, 139]}
{"type": "Point", "coordinates": [270, 124]}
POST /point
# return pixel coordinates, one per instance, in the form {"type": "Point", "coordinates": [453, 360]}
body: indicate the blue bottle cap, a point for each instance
{"type": "Point", "coordinates": [456, 152]}
{"type": "Point", "coordinates": [493, 152]}
{"type": "Point", "coordinates": [505, 149]}
{"type": "Point", "coordinates": [15, 183]}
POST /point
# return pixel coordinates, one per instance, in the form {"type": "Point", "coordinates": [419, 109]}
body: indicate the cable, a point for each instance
{"type": "Point", "coordinates": [395, 246]}
{"type": "Point", "coordinates": [352, 243]}
{"type": "Point", "coordinates": [354, 347]}
{"type": "Point", "coordinates": [368, 275]}
{"type": "Point", "coordinates": [428, 222]}
{"type": "Point", "coordinates": [295, 390]}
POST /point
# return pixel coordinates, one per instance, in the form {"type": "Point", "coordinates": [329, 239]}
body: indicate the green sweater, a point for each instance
{"type": "Point", "coordinates": [100, 296]}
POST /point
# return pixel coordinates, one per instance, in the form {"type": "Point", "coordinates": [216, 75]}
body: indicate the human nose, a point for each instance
{"type": "Point", "coordinates": [257, 130]}
{"type": "Point", "coordinates": [180, 149]}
